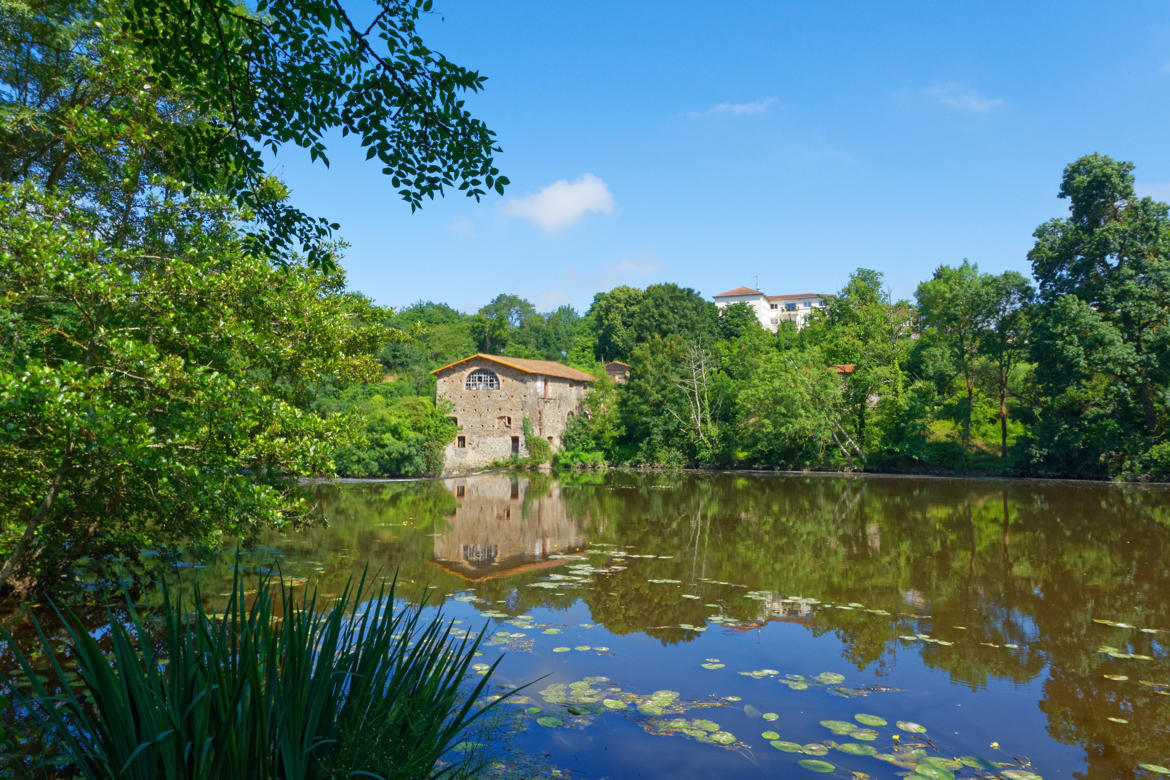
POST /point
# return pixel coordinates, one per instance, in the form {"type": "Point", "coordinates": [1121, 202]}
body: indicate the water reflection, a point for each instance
{"type": "Point", "coordinates": [1059, 592]}
{"type": "Point", "coordinates": [503, 526]}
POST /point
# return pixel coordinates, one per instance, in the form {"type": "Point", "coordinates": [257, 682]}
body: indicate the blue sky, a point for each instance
{"type": "Point", "coordinates": [707, 143]}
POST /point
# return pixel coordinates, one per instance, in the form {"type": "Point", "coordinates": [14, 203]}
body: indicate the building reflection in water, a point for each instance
{"type": "Point", "coordinates": [505, 525]}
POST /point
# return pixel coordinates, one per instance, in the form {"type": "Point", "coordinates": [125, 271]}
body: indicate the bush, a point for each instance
{"type": "Point", "coordinates": [364, 688]}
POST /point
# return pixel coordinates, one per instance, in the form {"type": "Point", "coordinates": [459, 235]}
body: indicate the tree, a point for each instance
{"type": "Point", "coordinates": [737, 320]}
{"type": "Point", "coordinates": [862, 327]}
{"type": "Point", "coordinates": [955, 309]}
{"type": "Point", "coordinates": [612, 314]}
{"type": "Point", "coordinates": [158, 395]}
{"type": "Point", "coordinates": [1102, 342]}
{"type": "Point", "coordinates": [122, 94]}
{"type": "Point", "coordinates": [669, 310]}
{"type": "Point", "coordinates": [163, 338]}
{"type": "Point", "coordinates": [1005, 343]}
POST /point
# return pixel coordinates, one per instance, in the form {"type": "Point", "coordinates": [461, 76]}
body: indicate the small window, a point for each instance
{"type": "Point", "coordinates": [550, 440]}
{"type": "Point", "coordinates": [775, 306]}
{"type": "Point", "coordinates": [460, 441]}
{"type": "Point", "coordinates": [790, 307]}
{"type": "Point", "coordinates": [460, 491]}
{"type": "Point", "coordinates": [515, 448]}
{"type": "Point", "coordinates": [506, 420]}
{"type": "Point", "coordinates": [454, 419]}
{"type": "Point", "coordinates": [482, 379]}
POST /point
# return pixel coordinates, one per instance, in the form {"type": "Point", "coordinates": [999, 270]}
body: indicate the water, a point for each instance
{"type": "Point", "coordinates": [1023, 625]}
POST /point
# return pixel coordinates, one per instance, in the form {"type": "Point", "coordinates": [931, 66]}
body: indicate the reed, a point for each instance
{"type": "Point", "coordinates": [365, 687]}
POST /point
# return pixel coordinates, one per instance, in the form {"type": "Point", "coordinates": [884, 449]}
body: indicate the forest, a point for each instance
{"type": "Point", "coordinates": [1063, 376]}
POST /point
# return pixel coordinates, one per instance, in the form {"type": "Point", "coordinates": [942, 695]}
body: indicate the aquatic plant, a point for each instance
{"type": "Point", "coordinates": [279, 689]}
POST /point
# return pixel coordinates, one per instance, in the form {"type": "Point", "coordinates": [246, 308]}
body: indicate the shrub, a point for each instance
{"type": "Point", "coordinates": [364, 688]}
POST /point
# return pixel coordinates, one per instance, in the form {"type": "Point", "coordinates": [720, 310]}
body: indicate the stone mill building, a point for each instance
{"type": "Point", "coordinates": [492, 395]}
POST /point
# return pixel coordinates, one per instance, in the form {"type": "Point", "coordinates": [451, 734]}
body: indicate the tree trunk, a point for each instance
{"type": "Point", "coordinates": [9, 581]}
{"type": "Point", "coordinates": [970, 403]}
{"type": "Point", "coordinates": [1003, 417]}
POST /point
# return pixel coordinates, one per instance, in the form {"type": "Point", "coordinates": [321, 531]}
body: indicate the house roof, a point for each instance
{"type": "Point", "coordinates": [545, 367]}
{"type": "Point", "coordinates": [845, 368]}
{"type": "Point", "coordinates": [738, 291]}
{"type": "Point", "coordinates": [617, 363]}
{"type": "Point", "coordinates": [794, 297]}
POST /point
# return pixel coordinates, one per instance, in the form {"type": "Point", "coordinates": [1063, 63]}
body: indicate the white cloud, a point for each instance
{"type": "Point", "coordinates": [961, 98]}
{"type": "Point", "coordinates": [562, 203]}
{"type": "Point", "coordinates": [750, 108]}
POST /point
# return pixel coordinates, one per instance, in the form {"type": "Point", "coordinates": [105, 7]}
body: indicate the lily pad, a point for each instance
{"type": "Point", "coordinates": [614, 704]}
{"type": "Point", "coordinates": [1155, 768]}
{"type": "Point", "coordinates": [549, 721]}
{"type": "Point", "coordinates": [710, 665]}
{"type": "Point", "coordinates": [723, 738]}
{"type": "Point", "coordinates": [869, 720]}
{"type": "Point", "coordinates": [933, 772]}
{"type": "Point", "coordinates": [1020, 774]}
{"type": "Point", "coordinates": [975, 762]}
{"type": "Point", "coordinates": [816, 765]}
{"type": "Point", "coordinates": [830, 678]}
{"type": "Point", "coordinates": [867, 735]}
{"type": "Point", "coordinates": [770, 735]}
{"type": "Point", "coordinates": [814, 749]}
{"type": "Point", "coordinates": [561, 649]}
{"type": "Point", "coordinates": [911, 727]}
{"type": "Point", "coordinates": [771, 716]}
{"type": "Point", "coordinates": [787, 747]}
{"type": "Point", "coordinates": [857, 749]}
{"type": "Point", "coordinates": [839, 726]}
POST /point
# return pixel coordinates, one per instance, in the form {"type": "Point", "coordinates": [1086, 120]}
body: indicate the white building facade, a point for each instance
{"type": "Point", "coordinates": [771, 310]}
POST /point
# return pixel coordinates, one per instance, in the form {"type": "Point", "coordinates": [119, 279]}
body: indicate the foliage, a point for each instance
{"type": "Point", "coordinates": [598, 427]}
{"type": "Point", "coordinates": [539, 450]}
{"type": "Point", "coordinates": [1102, 335]}
{"type": "Point", "coordinates": [132, 91]}
{"type": "Point", "coordinates": [404, 434]}
{"type": "Point", "coordinates": [276, 689]}
{"type": "Point", "coordinates": [159, 394]}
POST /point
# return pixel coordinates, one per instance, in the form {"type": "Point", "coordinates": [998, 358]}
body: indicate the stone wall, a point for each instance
{"type": "Point", "coordinates": [489, 419]}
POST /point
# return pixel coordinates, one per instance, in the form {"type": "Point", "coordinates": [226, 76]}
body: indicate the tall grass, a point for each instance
{"type": "Point", "coordinates": [363, 688]}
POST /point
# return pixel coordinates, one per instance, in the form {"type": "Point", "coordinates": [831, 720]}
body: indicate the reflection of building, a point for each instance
{"type": "Point", "coordinates": [499, 530]}
{"type": "Point", "coordinates": [771, 310]}
{"type": "Point", "coordinates": [491, 397]}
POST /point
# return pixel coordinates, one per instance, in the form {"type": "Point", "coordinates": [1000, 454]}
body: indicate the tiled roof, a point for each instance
{"type": "Point", "coordinates": [617, 363]}
{"type": "Point", "coordinates": [738, 291]}
{"type": "Point", "coordinates": [545, 367]}
{"type": "Point", "coordinates": [845, 368]}
{"type": "Point", "coordinates": [794, 297]}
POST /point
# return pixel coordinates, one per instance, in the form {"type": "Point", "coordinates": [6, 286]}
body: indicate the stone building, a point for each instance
{"type": "Point", "coordinates": [618, 371]}
{"type": "Point", "coordinates": [771, 310]}
{"type": "Point", "coordinates": [492, 395]}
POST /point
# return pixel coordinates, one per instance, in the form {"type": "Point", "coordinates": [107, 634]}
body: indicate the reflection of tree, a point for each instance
{"type": "Point", "coordinates": [982, 565]}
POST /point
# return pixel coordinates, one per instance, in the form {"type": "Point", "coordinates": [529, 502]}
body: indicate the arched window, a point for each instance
{"type": "Point", "coordinates": [482, 379]}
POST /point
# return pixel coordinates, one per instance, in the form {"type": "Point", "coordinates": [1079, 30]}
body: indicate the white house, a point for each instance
{"type": "Point", "coordinates": [771, 310]}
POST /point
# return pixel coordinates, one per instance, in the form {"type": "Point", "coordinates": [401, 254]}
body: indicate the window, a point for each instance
{"type": "Point", "coordinates": [482, 379]}
{"type": "Point", "coordinates": [460, 441]}
{"type": "Point", "coordinates": [515, 450]}
{"type": "Point", "coordinates": [460, 491]}
{"type": "Point", "coordinates": [790, 306]}
{"type": "Point", "coordinates": [454, 419]}
{"type": "Point", "coordinates": [775, 306]}
{"type": "Point", "coordinates": [505, 420]}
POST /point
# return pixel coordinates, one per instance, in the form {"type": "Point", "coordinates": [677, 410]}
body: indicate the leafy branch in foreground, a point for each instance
{"type": "Point", "coordinates": [272, 690]}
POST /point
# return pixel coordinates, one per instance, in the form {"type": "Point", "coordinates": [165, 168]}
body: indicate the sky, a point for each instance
{"type": "Point", "coordinates": [714, 144]}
